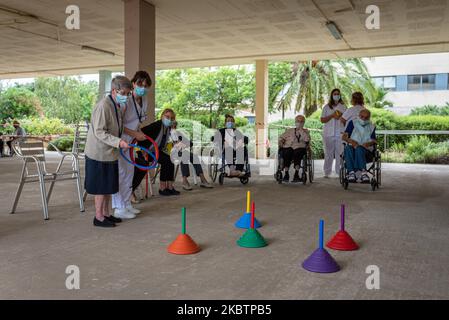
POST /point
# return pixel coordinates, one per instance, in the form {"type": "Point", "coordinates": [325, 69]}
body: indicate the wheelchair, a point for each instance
{"type": "Point", "coordinates": [374, 164]}
{"type": "Point", "coordinates": [307, 166]}
{"type": "Point", "coordinates": [218, 165]}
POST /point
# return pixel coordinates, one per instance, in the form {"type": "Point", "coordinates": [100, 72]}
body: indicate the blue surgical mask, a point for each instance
{"type": "Point", "coordinates": [166, 122]}
{"type": "Point", "coordinates": [336, 98]}
{"type": "Point", "coordinates": [121, 99]}
{"type": "Point", "coordinates": [140, 91]}
{"type": "Point", "coordinates": [229, 125]}
{"type": "Point", "coordinates": [364, 122]}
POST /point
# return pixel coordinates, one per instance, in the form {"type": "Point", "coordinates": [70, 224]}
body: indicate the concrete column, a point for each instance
{"type": "Point", "coordinates": [140, 44]}
{"type": "Point", "coordinates": [104, 83]}
{"type": "Point", "coordinates": [261, 108]}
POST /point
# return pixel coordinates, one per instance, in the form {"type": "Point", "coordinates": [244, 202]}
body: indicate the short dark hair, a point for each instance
{"type": "Point", "coordinates": [358, 99]}
{"type": "Point", "coordinates": [140, 77]}
{"type": "Point", "coordinates": [229, 116]}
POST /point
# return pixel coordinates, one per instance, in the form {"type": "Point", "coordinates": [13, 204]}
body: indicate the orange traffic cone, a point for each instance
{"type": "Point", "coordinates": [183, 244]}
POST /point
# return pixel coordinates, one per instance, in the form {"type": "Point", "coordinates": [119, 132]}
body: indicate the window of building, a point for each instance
{"type": "Point", "coordinates": [388, 83]}
{"type": "Point", "coordinates": [421, 82]}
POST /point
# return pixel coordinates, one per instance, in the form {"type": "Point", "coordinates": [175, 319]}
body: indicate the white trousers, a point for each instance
{"type": "Point", "coordinates": [122, 198]}
{"type": "Point", "coordinates": [332, 150]}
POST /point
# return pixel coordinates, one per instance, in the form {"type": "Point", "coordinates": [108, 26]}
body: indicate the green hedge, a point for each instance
{"type": "Point", "coordinates": [63, 144]}
{"type": "Point", "coordinates": [45, 126]}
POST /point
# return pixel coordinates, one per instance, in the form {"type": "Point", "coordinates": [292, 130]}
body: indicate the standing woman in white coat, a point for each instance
{"type": "Point", "coordinates": [135, 114]}
{"type": "Point", "coordinates": [332, 132]}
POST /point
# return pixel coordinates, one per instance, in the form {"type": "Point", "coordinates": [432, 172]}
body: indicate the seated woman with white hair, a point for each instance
{"type": "Point", "coordinates": [360, 136]}
{"type": "Point", "coordinates": [293, 147]}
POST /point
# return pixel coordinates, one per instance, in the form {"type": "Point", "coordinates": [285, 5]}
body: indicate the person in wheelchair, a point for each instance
{"type": "Point", "coordinates": [233, 147]}
{"type": "Point", "coordinates": [293, 144]}
{"type": "Point", "coordinates": [360, 136]}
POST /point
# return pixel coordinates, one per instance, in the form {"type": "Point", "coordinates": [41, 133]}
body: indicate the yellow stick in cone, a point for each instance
{"type": "Point", "coordinates": [248, 201]}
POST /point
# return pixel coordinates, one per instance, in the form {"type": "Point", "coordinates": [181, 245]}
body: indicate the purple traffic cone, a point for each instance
{"type": "Point", "coordinates": [320, 260]}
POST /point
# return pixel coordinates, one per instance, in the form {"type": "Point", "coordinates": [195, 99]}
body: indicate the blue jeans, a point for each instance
{"type": "Point", "coordinates": [355, 158]}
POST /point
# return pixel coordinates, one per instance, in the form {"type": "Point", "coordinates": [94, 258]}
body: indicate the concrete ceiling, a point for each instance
{"type": "Point", "coordinates": [214, 32]}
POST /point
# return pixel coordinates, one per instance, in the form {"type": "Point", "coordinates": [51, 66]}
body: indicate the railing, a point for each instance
{"type": "Point", "coordinates": [387, 133]}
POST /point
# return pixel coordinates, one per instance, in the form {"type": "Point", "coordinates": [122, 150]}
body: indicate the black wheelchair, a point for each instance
{"type": "Point", "coordinates": [218, 165]}
{"type": "Point", "coordinates": [307, 166]}
{"type": "Point", "coordinates": [374, 170]}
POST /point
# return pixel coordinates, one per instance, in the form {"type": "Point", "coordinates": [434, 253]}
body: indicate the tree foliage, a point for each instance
{"type": "Point", "coordinates": [17, 103]}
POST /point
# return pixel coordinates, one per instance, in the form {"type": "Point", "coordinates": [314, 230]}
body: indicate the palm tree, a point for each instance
{"type": "Point", "coordinates": [312, 81]}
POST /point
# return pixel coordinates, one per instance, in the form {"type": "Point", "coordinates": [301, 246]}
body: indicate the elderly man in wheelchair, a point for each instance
{"type": "Point", "coordinates": [293, 147]}
{"type": "Point", "coordinates": [360, 143]}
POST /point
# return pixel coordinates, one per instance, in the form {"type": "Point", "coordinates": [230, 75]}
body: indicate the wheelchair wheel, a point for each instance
{"type": "Point", "coordinates": [345, 184]}
{"type": "Point", "coordinates": [213, 167]}
{"type": "Point", "coordinates": [304, 177]}
{"type": "Point", "coordinates": [311, 166]}
{"type": "Point", "coordinates": [373, 184]}
{"type": "Point", "coordinates": [244, 180]}
{"type": "Point", "coordinates": [221, 178]}
{"type": "Point", "coordinates": [379, 171]}
{"type": "Point", "coordinates": [278, 176]}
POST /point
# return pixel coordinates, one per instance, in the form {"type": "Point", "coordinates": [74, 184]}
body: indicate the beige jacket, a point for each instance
{"type": "Point", "coordinates": [103, 137]}
{"type": "Point", "coordinates": [294, 138]}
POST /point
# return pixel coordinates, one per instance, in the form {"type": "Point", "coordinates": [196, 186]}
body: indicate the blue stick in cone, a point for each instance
{"type": "Point", "coordinates": [320, 260]}
{"type": "Point", "coordinates": [245, 221]}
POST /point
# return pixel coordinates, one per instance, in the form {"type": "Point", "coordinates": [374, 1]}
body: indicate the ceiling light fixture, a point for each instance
{"type": "Point", "coordinates": [334, 30]}
{"type": "Point", "coordinates": [83, 47]}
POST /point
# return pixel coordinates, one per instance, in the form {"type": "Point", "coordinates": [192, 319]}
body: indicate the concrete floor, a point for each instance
{"type": "Point", "coordinates": [403, 229]}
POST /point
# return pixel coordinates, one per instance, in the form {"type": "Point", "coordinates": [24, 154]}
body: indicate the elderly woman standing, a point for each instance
{"type": "Point", "coordinates": [102, 150]}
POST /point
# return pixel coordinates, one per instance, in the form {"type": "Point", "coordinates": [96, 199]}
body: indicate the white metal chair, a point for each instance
{"type": "Point", "coordinates": [32, 151]}
{"type": "Point", "coordinates": [79, 144]}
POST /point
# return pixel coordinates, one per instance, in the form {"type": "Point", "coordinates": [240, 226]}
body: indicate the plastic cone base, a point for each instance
{"type": "Point", "coordinates": [183, 244]}
{"type": "Point", "coordinates": [320, 261]}
{"type": "Point", "coordinates": [252, 239]}
{"type": "Point", "coordinates": [245, 222]}
{"type": "Point", "coordinates": [342, 241]}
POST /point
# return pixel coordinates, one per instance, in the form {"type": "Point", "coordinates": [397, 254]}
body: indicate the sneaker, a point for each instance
{"type": "Point", "coordinates": [186, 186]}
{"type": "Point", "coordinates": [206, 185]}
{"type": "Point", "coordinates": [351, 177]}
{"type": "Point", "coordinates": [286, 177]}
{"type": "Point", "coordinates": [296, 177]}
{"type": "Point", "coordinates": [235, 173]}
{"type": "Point", "coordinates": [123, 214]}
{"type": "Point", "coordinates": [105, 223]}
{"type": "Point", "coordinates": [113, 219]}
{"type": "Point", "coordinates": [164, 192]}
{"type": "Point", "coordinates": [133, 210]}
{"type": "Point", "coordinates": [364, 178]}
{"type": "Point", "coordinates": [174, 192]}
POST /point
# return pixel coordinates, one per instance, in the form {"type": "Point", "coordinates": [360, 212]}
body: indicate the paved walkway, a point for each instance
{"type": "Point", "coordinates": [403, 229]}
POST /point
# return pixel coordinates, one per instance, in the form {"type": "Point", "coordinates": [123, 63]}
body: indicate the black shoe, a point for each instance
{"type": "Point", "coordinates": [286, 177]}
{"type": "Point", "coordinates": [174, 192]}
{"type": "Point", "coordinates": [164, 192]}
{"type": "Point", "coordinates": [105, 223]}
{"type": "Point", "coordinates": [113, 219]}
{"type": "Point", "coordinates": [296, 177]}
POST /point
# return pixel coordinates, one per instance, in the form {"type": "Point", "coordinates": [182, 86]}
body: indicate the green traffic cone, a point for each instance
{"type": "Point", "coordinates": [252, 238]}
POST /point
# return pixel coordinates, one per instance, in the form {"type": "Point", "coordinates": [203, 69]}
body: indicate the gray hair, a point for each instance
{"type": "Point", "coordinates": [121, 82]}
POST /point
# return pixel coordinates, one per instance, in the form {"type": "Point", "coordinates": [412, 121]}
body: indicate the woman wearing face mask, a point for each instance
{"type": "Point", "coordinates": [293, 147]}
{"type": "Point", "coordinates": [232, 146]}
{"type": "Point", "coordinates": [133, 116]}
{"type": "Point", "coordinates": [159, 131]}
{"type": "Point", "coordinates": [360, 136]}
{"type": "Point", "coordinates": [102, 150]}
{"type": "Point", "coordinates": [332, 131]}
